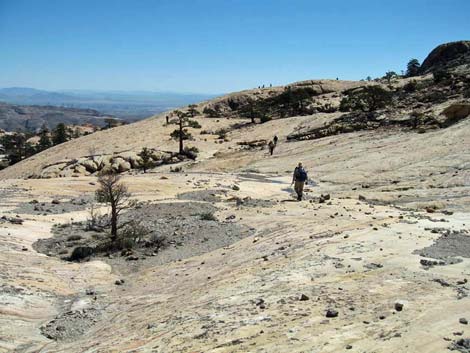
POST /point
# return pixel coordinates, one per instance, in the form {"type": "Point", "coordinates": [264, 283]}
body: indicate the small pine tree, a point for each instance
{"type": "Point", "coordinates": [389, 76]}
{"type": "Point", "coordinates": [192, 110]}
{"type": "Point", "coordinates": [181, 133]}
{"type": "Point", "coordinates": [146, 159]}
{"type": "Point", "coordinates": [44, 139]}
{"type": "Point", "coordinates": [412, 68]}
{"type": "Point", "coordinates": [60, 135]}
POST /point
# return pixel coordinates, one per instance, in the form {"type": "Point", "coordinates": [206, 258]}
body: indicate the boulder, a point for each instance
{"type": "Point", "coordinates": [160, 155]}
{"type": "Point", "coordinates": [89, 164]}
{"type": "Point", "coordinates": [454, 113]}
{"type": "Point", "coordinates": [80, 169]}
{"type": "Point", "coordinates": [120, 165]}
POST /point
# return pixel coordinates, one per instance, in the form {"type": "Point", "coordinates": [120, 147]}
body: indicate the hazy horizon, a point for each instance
{"type": "Point", "coordinates": [213, 47]}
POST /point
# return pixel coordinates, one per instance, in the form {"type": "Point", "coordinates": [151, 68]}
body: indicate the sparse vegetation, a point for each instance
{"type": "Point", "coordinates": [113, 192]}
{"type": "Point", "coordinates": [81, 253]}
{"type": "Point", "coordinates": [211, 113]}
{"type": "Point", "coordinates": [366, 99]}
{"type": "Point", "coordinates": [208, 217]}
{"type": "Point", "coordinates": [192, 110]}
{"type": "Point", "coordinates": [411, 86]}
{"type": "Point", "coordinates": [181, 133]}
{"type": "Point", "coordinates": [389, 76]}
{"type": "Point", "coordinates": [60, 134]}
{"type": "Point", "coordinates": [412, 68]}
{"type": "Point", "coordinates": [441, 75]}
{"type": "Point", "coordinates": [146, 158]}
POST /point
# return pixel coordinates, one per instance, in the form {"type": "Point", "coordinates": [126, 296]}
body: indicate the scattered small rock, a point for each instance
{"type": "Point", "coordinates": [331, 313]}
{"type": "Point", "coordinates": [398, 306]}
{"type": "Point", "coordinates": [303, 297]}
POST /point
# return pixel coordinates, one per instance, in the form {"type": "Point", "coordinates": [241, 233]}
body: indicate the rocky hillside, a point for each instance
{"type": "Point", "coordinates": [300, 111]}
{"type": "Point", "coordinates": [222, 258]}
{"type": "Point", "coordinates": [32, 117]}
{"type": "Point", "coordinates": [446, 56]}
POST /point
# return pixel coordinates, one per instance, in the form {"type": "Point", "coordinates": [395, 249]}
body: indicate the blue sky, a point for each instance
{"type": "Point", "coordinates": [215, 46]}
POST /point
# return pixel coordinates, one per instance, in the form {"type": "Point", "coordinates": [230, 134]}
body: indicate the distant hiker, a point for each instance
{"type": "Point", "coordinates": [299, 178]}
{"type": "Point", "coordinates": [275, 139]}
{"type": "Point", "coordinates": [271, 146]}
{"type": "Point", "coordinates": [167, 119]}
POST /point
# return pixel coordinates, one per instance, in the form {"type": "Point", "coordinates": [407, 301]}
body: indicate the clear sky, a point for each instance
{"type": "Point", "coordinates": [216, 46]}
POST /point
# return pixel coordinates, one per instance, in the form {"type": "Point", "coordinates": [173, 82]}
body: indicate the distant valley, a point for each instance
{"type": "Point", "coordinates": [31, 118]}
{"type": "Point", "coordinates": [130, 106]}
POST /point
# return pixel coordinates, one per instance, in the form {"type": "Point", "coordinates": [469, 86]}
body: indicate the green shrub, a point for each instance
{"type": "Point", "coordinates": [81, 252]}
{"type": "Point", "coordinates": [194, 124]}
{"type": "Point", "coordinates": [74, 237]}
{"type": "Point", "coordinates": [440, 75]}
{"type": "Point", "coordinates": [265, 118]}
{"type": "Point", "coordinates": [211, 113]}
{"type": "Point", "coordinates": [410, 87]}
{"type": "Point", "coordinates": [366, 99]}
{"type": "Point", "coordinates": [208, 217]}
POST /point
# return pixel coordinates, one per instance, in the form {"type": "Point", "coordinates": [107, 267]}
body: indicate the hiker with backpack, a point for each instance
{"type": "Point", "coordinates": [299, 179]}
{"type": "Point", "coordinates": [271, 146]}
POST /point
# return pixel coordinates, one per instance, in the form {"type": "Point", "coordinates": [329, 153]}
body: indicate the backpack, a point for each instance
{"type": "Point", "coordinates": [301, 174]}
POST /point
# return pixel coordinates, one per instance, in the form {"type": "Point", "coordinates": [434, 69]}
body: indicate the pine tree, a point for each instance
{"type": "Point", "coordinates": [60, 135]}
{"type": "Point", "coordinates": [181, 133]}
{"type": "Point", "coordinates": [44, 139]}
{"type": "Point", "coordinates": [412, 68]}
{"type": "Point", "coordinates": [146, 159]}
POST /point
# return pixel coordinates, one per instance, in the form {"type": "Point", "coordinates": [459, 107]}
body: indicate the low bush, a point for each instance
{"type": "Point", "coordinates": [74, 237]}
{"type": "Point", "coordinates": [81, 253]}
{"type": "Point", "coordinates": [208, 217]}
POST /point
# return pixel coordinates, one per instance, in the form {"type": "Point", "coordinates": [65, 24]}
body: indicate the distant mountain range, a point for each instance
{"type": "Point", "coordinates": [130, 106]}
{"type": "Point", "coordinates": [32, 117]}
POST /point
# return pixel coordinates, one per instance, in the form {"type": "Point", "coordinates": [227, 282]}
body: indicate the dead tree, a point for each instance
{"type": "Point", "coordinates": [113, 192]}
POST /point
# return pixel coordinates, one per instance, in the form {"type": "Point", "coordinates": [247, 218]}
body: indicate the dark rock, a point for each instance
{"type": "Point", "coordinates": [55, 202]}
{"type": "Point", "coordinates": [303, 297]}
{"type": "Point", "coordinates": [442, 282]}
{"type": "Point", "coordinates": [398, 306]}
{"type": "Point", "coordinates": [331, 313]}
{"type": "Point", "coordinates": [16, 220]}
{"type": "Point", "coordinates": [463, 342]}
{"type": "Point", "coordinates": [463, 321]}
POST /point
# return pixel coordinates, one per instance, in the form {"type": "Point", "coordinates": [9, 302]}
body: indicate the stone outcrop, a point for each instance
{"type": "Point", "coordinates": [119, 163]}
{"type": "Point", "coordinates": [447, 55]}
{"type": "Point", "coordinates": [357, 121]}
